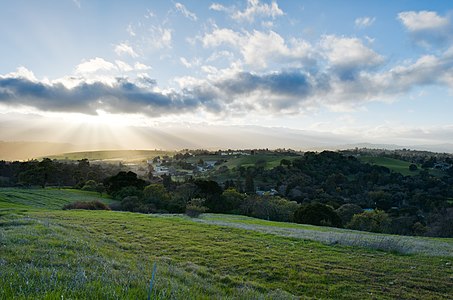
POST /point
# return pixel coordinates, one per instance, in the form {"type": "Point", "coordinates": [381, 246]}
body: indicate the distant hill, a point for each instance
{"type": "Point", "coordinates": [441, 148]}
{"type": "Point", "coordinates": [116, 155]}
{"type": "Point", "coordinates": [30, 150]}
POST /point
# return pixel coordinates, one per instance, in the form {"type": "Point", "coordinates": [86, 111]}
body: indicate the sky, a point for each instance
{"type": "Point", "coordinates": [229, 74]}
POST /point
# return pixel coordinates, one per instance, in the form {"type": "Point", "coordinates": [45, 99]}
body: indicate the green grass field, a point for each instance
{"type": "Point", "coordinates": [395, 165]}
{"type": "Point", "coordinates": [48, 253]}
{"type": "Point", "coordinates": [272, 160]}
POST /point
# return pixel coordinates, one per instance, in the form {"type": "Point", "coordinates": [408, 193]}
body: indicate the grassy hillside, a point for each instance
{"type": "Point", "coordinates": [272, 160]}
{"type": "Point", "coordinates": [54, 254]}
{"type": "Point", "coordinates": [395, 165]}
{"type": "Point", "coordinates": [45, 198]}
{"type": "Point", "coordinates": [119, 155]}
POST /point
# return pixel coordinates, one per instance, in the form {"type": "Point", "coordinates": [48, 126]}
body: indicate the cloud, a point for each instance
{"type": "Point", "coordinates": [364, 22]}
{"type": "Point", "coordinates": [94, 65]}
{"type": "Point", "coordinates": [122, 66]}
{"type": "Point", "coordinates": [275, 92]}
{"type": "Point", "coordinates": [427, 27]}
{"type": "Point", "coordinates": [347, 55]}
{"type": "Point", "coordinates": [141, 67]}
{"type": "Point", "coordinates": [122, 97]}
{"type": "Point", "coordinates": [218, 7]}
{"type": "Point", "coordinates": [160, 37]}
{"type": "Point", "coordinates": [124, 48]}
{"type": "Point", "coordinates": [253, 10]}
{"type": "Point", "coordinates": [422, 20]}
{"type": "Point", "coordinates": [221, 36]}
{"type": "Point", "coordinates": [343, 75]}
{"type": "Point", "coordinates": [186, 13]}
{"type": "Point", "coordinates": [259, 49]}
{"type": "Point", "coordinates": [130, 30]}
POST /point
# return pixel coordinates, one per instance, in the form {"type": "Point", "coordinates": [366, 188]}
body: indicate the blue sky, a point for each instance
{"type": "Point", "coordinates": [362, 71]}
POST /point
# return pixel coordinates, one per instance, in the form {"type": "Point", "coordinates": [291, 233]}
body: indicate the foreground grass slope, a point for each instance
{"type": "Point", "coordinates": [54, 254]}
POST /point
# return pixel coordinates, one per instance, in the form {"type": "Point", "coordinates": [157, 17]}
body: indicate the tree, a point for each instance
{"type": "Point", "coordinates": [374, 221]}
{"type": "Point", "coordinates": [90, 185]}
{"type": "Point", "coordinates": [115, 183]}
{"type": "Point", "coordinates": [196, 207]}
{"type": "Point", "coordinates": [128, 191]}
{"type": "Point", "coordinates": [211, 191]}
{"type": "Point", "coordinates": [413, 167]}
{"type": "Point", "coordinates": [249, 184]}
{"type": "Point", "coordinates": [231, 200]}
{"type": "Point", "coordinates": [347, 211]}
{"type": "Point", "coordinates": [317, 214]}
{"type": "Point", "coordinates": [285, 162]}
{"type": "Point", "coordinates": [156, 195]}
{"type": "Point", "coordinates": [272, 208]}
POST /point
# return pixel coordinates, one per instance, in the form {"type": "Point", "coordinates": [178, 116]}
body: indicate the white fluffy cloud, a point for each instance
{"type": "Point", "coordinates": [94, 65]}
{"type": "Point", "coordinates": [348, 54]}
{"type": "Point", "coordinates": [427, 28]}
{"type": "Point", "coordinates": [422, 20]}
{"type": "Point", "coordinates": [258, 48]}
{"type": "Point", "coordinates": [123, 66]}
{"type": "Point", "coordinates": [124, 48]}
{"type": "Point", "coordinates": [253, 10]}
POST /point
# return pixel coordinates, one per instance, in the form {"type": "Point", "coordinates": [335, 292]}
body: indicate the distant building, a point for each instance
{"type": "Point", "coordinates": [160, 170]}
{"type": "Point", "coordinates": [271, 192]}
{"type": "Point", "coordinates": [442, 166]}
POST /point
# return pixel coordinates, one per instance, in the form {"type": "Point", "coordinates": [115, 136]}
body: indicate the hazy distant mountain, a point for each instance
{"type": "Point", "coordinates": [203, 137]}
{"type": "Point", "coordinates": [447, 148]}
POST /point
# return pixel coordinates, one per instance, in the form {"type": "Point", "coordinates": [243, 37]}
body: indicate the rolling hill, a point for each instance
{"type": "Point", "coordinates": [48, 253]}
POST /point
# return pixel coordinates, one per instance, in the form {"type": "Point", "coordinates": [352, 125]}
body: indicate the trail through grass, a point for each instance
{"type": "Point", "coordinates": [332, 236]}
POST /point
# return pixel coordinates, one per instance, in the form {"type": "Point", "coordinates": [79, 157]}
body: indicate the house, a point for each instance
{"type": "Point", "coordinates": [160, 170]}
{"type": "Point", "coordinates": [271, 192]}
{"type": "Point", "coordinates": [442, 166]}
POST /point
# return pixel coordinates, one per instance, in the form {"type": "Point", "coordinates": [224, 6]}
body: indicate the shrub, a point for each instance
{"type": "Point", "coordinates": [90, 185]}
{"type": "Point", "coordinates": [128, 191]}
{"type": "Point", "coordinates": [347, 211]}
{"type": "Point", "coordinates": [90, 205]}
{"type": "Point", "coordinates": [195, 207]}
{"type": "Point", "coordinates": [317, 214]}
{"type": "Point", "coordinates": [374, 221]}
{"type": "Point", "coordinates": [441, 223]}
{"type": "Point", "coordinates": [273, 208]}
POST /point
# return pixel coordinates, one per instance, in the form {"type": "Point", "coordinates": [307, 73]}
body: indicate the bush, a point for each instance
{"type": "Point", "coordinates": [91, 205]}
{"type": "Point", "coordinates": [195, 207]}
{"type": "Point", "coordinates": [128, 191]}
{"type": "Point", "coordinates": [374, 221]}
{"type": "Point", "coordinates": [347, 211]}
{"type": "Point", "coordinates": [441, 223]}
{"type": "Point", "coordinates": [90, 185]}
{"type": "Point", "coordinates": [273, 208]}
{"type": "Point", "coordinates": [317, 214]}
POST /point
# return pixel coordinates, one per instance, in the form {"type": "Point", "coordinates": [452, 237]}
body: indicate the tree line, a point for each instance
{"type": "Point", "coordinates": [327, 189]}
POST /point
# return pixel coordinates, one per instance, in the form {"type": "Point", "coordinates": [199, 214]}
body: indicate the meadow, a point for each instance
{"type": "Point", "coordinates": [48, 253]}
